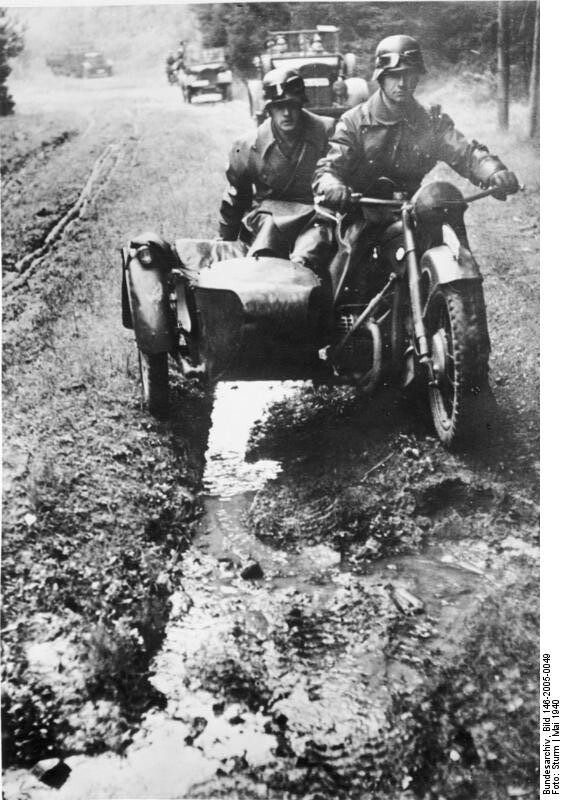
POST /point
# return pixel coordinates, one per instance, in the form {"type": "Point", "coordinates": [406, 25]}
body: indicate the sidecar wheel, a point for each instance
{"type": "Point", "coordinates": [459, 352]}
{"type": "Point", "coordinates": [154, 382]}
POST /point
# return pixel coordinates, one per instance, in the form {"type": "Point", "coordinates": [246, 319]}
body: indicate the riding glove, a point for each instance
{"type": "Point", "coordinates": [506, 183]}
{"type": "Point", "coordinates": [333, 193]}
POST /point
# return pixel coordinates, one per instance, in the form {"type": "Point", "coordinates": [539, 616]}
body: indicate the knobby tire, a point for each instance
{"type": "Point", "coordinates": [154, 382]}
{"type": "Point", "coordinates": [460, 403]}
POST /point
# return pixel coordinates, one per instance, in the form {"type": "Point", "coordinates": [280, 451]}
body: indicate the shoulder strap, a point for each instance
{"type": "Point", "coordinates": [296, 167]}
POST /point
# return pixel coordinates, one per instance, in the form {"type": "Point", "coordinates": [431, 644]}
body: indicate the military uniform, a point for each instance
{"type": "Point", "coordinates": [269, 196]}
{"type": "Point", "coordinates": [372, 141]}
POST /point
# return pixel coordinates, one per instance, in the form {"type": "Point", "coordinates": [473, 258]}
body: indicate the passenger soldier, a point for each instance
{"type": "Point", "coordinates": [392, 136]}
{"type": "Point", "coordinates": [268, 202]}
{"type": "Point", "coordinates": [317, 46]}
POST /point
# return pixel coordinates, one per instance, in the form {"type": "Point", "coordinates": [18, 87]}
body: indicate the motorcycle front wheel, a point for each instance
{"type": "Point", "coordinates": [154, 382]}
{"type": "Point", "coordinates": [459, 353]}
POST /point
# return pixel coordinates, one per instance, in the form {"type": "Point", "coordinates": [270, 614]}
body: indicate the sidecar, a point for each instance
{"type": "Point", "coordinates": [220, 314]}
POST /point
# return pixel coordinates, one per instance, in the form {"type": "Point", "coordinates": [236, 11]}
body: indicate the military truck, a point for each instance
{"type": "Point", "coordinates": [80, 62]}
{"type": "Point", "coordinates": [208, 76]}
{"type": "Point", "coordinates": [330, 79]}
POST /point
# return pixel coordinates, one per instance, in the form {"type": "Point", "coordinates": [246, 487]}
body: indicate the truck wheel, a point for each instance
{"type": "Point", "coordinates": [154, 382]}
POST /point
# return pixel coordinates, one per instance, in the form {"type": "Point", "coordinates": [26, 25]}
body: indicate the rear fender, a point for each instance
{"type": "Point", "coordinates": [440, 265]}
{"type": "Point", "coordinates": [146, 295]}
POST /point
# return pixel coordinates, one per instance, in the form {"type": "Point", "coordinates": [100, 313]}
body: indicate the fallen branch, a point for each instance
{"type": "Point", "coordinates": [376, 466]}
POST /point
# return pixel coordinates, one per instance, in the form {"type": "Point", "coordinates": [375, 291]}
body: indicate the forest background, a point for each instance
{"type": "Point", "coordinates": [458, 36]}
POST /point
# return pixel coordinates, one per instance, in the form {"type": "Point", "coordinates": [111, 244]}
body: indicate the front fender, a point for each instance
{"type": "Point", "coordinates": [146, 297]}
{"type": "Point", "coordinates": [439, 265]}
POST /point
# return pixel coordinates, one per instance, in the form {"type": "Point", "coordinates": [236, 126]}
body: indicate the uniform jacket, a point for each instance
{"type": "Point", "coordinates": [371, 142]}
{"type": "Point", "coordinates": [259, 171]}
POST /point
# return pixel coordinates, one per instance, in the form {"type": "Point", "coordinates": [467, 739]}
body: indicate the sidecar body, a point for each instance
{"type": "Point", "coordinates": [234, 318]}
{"type": "Point", "coordinates": [259, 318]}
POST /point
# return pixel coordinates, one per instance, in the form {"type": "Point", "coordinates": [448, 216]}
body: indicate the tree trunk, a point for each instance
{"type": "Point", "coordinates": [534, 80]}
{"type": "Point", "coordinates": [503, 64]}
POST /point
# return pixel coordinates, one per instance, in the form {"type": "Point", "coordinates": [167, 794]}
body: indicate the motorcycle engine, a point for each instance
{"type": "Point", "coordinates": [361, 356]}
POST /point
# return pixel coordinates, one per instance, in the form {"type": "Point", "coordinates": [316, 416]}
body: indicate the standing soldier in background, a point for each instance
{"type": "Point", "coordinates": [269, 202]}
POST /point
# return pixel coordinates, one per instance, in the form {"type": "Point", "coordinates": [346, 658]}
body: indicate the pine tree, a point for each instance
{"type": "Point", "coordinates": [11, 44]}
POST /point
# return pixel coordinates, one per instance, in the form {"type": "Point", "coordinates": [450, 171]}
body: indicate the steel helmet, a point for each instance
{"type": "Point", "coordinates": [396, 54]}
{"type": "Point", "coordinates": [281, 85]}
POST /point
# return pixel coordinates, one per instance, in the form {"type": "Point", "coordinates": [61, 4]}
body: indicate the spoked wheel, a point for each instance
{"type": "Point", "coordinates": [154, 382]}
{"type": "Point", "coordinates": [459, 353]}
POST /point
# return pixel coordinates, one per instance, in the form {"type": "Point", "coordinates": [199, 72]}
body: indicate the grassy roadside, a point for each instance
{"type": "Point", "coordinates": [98, 500]}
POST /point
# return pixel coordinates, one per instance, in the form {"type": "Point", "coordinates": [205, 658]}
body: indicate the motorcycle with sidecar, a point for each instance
{"type": "Point", "coordinates": [402, 301]}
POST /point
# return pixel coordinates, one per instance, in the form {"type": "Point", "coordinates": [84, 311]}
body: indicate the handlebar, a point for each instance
{"type": "Point", "coordinates": [357, 198]}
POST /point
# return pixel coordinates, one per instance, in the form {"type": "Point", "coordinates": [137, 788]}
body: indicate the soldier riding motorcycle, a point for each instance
{"type": "Point", "coordinates": [171, 69]}
{"type": "Point", "coordinates": [402, 297]}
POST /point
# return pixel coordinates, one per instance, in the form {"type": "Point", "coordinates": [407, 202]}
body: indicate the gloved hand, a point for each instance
{"type": "Point", "coordinates": [334, 194]}
{"type": "Point", "coordinates": [506, 183]}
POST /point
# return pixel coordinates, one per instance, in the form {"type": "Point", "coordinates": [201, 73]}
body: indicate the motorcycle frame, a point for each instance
{"type": "Point", "coordinates": [423, 274]}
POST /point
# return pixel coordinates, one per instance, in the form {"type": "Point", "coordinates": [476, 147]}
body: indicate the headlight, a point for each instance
{"type": "Point", "coordinates": [145, 256]}
{"type": "Point", "coordinates": [339, 89]}
{"type": "Point", "coordinates": [437, 201]}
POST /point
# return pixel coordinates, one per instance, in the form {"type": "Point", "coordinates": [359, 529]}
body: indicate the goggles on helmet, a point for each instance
{"type": "Point", "coordinates": [409, 58]}
{"type": "Point", "coordinates": [292, 85]}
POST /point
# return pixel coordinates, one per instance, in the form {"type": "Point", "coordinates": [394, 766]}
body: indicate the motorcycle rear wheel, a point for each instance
{"type": "Point", "coordinates": [459, 352]}
{"type": "Point", "coordinates": [154, 382]}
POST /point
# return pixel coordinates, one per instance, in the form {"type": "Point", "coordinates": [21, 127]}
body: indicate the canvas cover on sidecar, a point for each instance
{"type": "Point", "coordinates": [256, 318]}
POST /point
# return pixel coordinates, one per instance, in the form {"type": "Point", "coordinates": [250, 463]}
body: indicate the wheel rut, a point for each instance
{"type": "Point", "coordinates": [288, 660]}
{"type": "Point", "coordinates": [100, 175]}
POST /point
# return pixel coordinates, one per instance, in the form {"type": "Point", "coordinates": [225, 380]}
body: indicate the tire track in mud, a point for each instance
{"type": "Point", "coordinates": [291, 681]}
{"type": "Point", "coordinates": [11, 167]}
{"type": "Point", "coordinates": [101, 173]}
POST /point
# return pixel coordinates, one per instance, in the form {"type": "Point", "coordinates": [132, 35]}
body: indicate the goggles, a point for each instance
{"type": "Point", "coordinates": [293, 85]}
{"type": "Point", "coordinates": [411, 59]}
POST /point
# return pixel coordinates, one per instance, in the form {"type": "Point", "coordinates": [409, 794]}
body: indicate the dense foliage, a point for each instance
{"type": "Point", "coordinates": [11, 44]}
{"type": "Point", "coordinates": [451, 33]}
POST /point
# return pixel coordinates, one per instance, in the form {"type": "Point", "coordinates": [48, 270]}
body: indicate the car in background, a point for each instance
{"type": "Point", "coordinates": [80, 63]}
{"type": "Point", "coordinates": [330, 79]}
{"type": "Point", "coordinates": [209, 76]}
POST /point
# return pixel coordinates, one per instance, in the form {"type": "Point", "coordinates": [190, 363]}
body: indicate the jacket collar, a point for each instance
{"type": "Point", "coordinates": [265, 138]}
{"type": "Point", "coordinates": [377, 112]}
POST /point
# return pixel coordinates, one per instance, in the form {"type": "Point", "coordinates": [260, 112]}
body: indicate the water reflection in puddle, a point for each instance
{"type": "Point", "coordinates": [331, 683]}
{"type": "Point", "coordinates": [237, 407]}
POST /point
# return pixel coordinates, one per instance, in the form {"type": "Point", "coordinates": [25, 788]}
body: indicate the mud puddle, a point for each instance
{"type": "Point", "coordinates": [275, 660]}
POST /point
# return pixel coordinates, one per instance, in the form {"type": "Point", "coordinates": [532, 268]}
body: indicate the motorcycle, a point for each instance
{"type": "Point", "coordinates": [171, 73]}
{"type": "Point", "coordinates": [402, 303]}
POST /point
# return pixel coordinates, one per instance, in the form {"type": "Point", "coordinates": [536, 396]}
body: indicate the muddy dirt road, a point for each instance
{"type": "Point", "coordinates": [281, 592]}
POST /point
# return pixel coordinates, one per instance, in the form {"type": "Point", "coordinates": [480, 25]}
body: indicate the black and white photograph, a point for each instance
{"type": "Point", "coordinates": [270, 402]}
